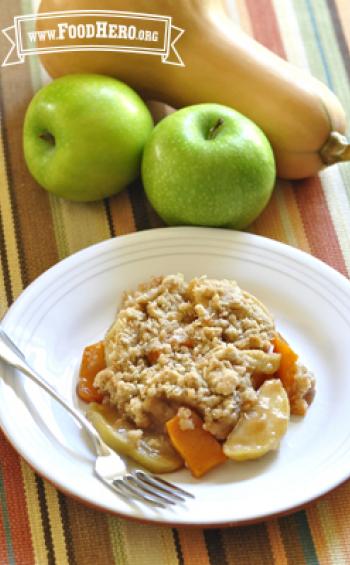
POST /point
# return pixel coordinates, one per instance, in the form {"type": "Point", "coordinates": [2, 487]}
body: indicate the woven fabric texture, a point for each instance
{"type": "Point", "coordinates": [40, 525]}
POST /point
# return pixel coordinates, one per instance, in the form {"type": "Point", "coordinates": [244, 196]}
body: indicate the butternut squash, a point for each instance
{"type": "Point", "coordinates": [302, 118]}
{"type": "Point", "coordinates": [288, 367]}
{"type": "Point", "coordinates": [199, 448]}
{"type": "Point", "coordinates": [92, 362]}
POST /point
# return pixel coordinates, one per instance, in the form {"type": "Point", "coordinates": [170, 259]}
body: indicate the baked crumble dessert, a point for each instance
{"type": "Point", "coordinates": [203, 347]}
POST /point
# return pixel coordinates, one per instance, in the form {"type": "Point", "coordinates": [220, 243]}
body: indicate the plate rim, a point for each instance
{"type": "Point", "coordinates": [296, 253]}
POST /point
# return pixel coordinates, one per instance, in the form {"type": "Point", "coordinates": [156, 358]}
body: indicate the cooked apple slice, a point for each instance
{"type": "Point", "coordinates": [261, 429]}
{"type": "Point", "coordinates": [153, 451]}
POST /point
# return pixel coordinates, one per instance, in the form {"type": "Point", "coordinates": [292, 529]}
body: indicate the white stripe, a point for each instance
{"type": "Point", "coordinates": [289, 26]}
{"type": "Point", "coordinates": [232, 10]}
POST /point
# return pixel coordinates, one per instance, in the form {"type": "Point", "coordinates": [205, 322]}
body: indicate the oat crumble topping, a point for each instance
{"type": "Point", "coordinates": [195, 344]}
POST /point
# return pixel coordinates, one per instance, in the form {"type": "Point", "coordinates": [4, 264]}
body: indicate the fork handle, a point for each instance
{"type": "Point", "coordinates": [13, 357]}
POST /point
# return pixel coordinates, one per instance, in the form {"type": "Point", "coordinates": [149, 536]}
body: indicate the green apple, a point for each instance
{"type": "Point", "coordinates": [84, 136]}
{"type": "Point", "coordinates": [208, 165]}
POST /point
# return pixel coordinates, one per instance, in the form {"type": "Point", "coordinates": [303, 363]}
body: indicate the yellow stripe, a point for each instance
{"type": "Point", "coordinates": [276, 542]}
{"type": "Point", "coordinates": [78, 225]}
{"type": "Point", "coordinates": [321, 547]}
{"type": "Point", "coordinates": [57, 533]}
{"type": "Point", "coordinates": [338, 508]}
{"type": "Point", "coordinates": [148, 544]}
{"type": "Point", "coordinates": [269, 222]}
{"type": "Point", "coordinates": [117, 542]}
{"type": "Point", "coordinates": [59, 228]}
{"type": "Point", "coordinates": [9, 230]}
{"type": "Point", "coordinates": [281, 220]}
{"type": "Point", "coordinates": [291, 218]}
{"type": "Point", "coordinates": [34, 515]}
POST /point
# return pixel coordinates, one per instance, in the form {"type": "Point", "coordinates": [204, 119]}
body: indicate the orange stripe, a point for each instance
{"type": "Point", "coordinates": [317, 532]}
{"type": "Point", "coordinates": [290, 539]}
{"type": "Point", "coordinates": [276, 542]}
{"type": "Point", "coordinates": [318, 224]}
{"type": "Point", "coordinates": [265, 25]}
{"type": "Point", "coordinates": [193, 547]}
{"type": "Point", "coordinates": [15, 497]}
{"type": "Point", "coordinates": [121, 214]}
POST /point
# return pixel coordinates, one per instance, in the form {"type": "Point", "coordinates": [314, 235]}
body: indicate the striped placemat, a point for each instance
{"type": "Point", "coordinates": [39, 524]}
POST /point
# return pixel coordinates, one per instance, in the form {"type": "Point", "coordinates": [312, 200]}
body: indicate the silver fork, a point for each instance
{"type": "Point", "coordinates": [109, 467]}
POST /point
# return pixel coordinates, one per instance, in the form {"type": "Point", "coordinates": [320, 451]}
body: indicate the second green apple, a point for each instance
{"type": "Point", "coordinates": [208, 165]}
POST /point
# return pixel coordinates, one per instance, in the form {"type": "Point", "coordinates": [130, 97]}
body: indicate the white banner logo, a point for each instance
{"type": "Point", "coordinates": [93, 30]}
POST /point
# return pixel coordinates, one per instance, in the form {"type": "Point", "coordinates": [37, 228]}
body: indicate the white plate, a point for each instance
{"type": "Point", "coordinates": [72, 304]}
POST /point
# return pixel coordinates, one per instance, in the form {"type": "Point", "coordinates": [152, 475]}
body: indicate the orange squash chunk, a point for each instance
{"type": "Point", "coordinates": [287, 368]}
{"type": "Point", "coordinates": [199, 448]}
{"type": "Point", "coordinates": [92, 362]}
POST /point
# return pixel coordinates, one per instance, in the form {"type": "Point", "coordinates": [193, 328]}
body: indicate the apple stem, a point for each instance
{"type": "Point", "coordinates": [215, 128]}
{"type": "Point", "coordinates": [47, 136]}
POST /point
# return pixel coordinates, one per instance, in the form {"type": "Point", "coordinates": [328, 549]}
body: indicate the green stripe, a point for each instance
{"type": "Point", "coordinates": [305, 537]}
{"type": "Point", "coordinates": [6, 522]}
{"type": "Point", "coordinates": [297, 539]}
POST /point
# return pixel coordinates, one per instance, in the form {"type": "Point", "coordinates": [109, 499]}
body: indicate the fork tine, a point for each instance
{"type": "Point", "coordinates": [153, 480]}
{"type": "Point", "coordinates": [169, 498]}
{"type": "Point", "coordinates": [154, 486]}
{"type": "Point", "coordinates": [139, 493]}
{"type": "Point", "coordinates": [127, 491]}
{"type": "Point", "coordinates": [164, 497]}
